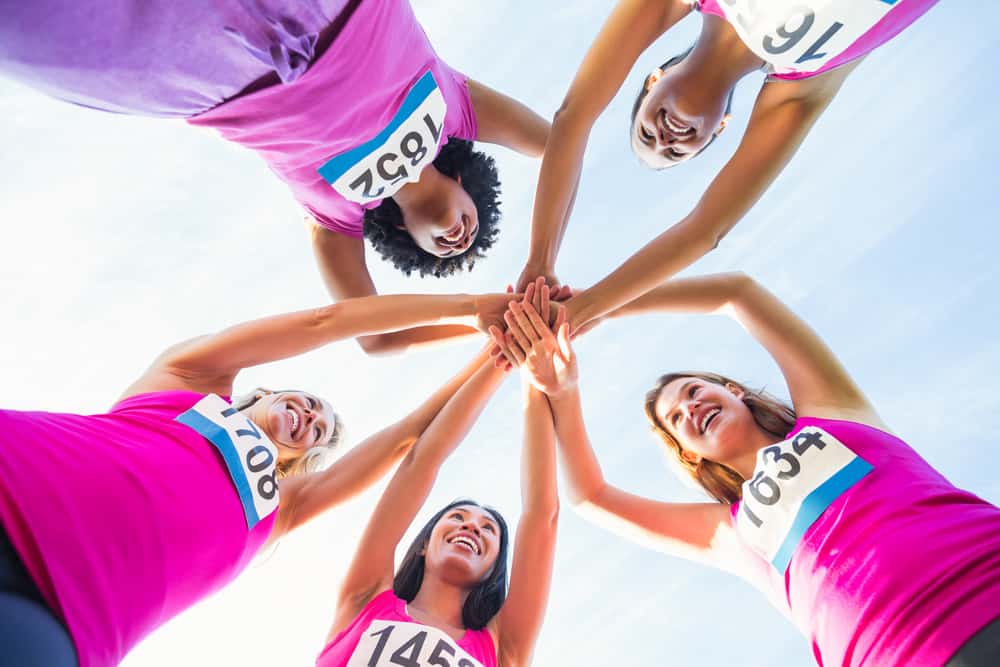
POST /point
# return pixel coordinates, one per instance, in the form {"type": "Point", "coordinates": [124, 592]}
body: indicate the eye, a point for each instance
{"type": "Point", "coordinates": [693, 391]}
{"type": "Point", "coordinates": [457, 515]}
{"type": "Point", "coordinates": [490, 527]}
{"type": "Point", "coordinates": [674, 417]}
{"type": "Point", "coordinates": [312, 402]}
{"type": "Point", "coordinates": [645, 136]}
{"type": "Point", "coordinates": [317, 433]}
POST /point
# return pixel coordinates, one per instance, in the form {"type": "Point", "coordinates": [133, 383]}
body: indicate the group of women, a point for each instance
{"type": "Point", "coordinates": [130, 517]}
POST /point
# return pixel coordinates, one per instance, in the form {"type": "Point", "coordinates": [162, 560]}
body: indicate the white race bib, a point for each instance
{"type": "Point", "coordinates": [793, 484]}
{"type": "Point", "coordinates": [250, 457]}
{"type": "Point", "coordinates": [398, 643]}
{"type": "Point", "coordinates": [802, 35]}
{"type": "Point", "coordinates": [381, 166]}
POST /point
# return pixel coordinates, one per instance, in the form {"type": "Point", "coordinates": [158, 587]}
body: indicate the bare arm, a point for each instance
{"type": "Point", "coordinates": [210, 363]}
{"type": "Point", "coordinates": [505, 121]}
{"type": "Point", "coordinates": [632, 26]}
{"type": "Point", "coordinates": [371, 571]}
{"type": "Point", "coordinates": [306, 496]}
{"type": "Point", "coordinates": [818, 383]}
{"type": "Point", "coordinates": [781, 119]}
{"type": "Point", "coordinates": [520, 619]}
{"type": "Point", "coordinates": [341, 262]}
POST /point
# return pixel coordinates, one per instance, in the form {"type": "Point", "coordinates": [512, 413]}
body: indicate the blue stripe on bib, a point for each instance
{"type": "Point", "coordinates": [338, 166]}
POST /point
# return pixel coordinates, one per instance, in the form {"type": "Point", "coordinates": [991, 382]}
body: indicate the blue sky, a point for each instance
{"type": "Point", "coordinates": [125, 235]}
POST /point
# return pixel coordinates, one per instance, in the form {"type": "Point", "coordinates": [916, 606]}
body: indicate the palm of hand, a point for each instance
{"type": "Point", "coordinates": [548, 369]}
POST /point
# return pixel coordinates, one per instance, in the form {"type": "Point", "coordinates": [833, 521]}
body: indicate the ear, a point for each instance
{"type": "Point", "coordinates": [458, 177]}
{"type": "Point", "coordinates": [653, 77]}
{"type": "Point", "coordinates": [723, 124]}
{"type": "Point", "coordinates": [735, 390]}
{"type": "Point", "coordinates": [260, 393]}
{"type": "Point", "coordinates": [690, 457]}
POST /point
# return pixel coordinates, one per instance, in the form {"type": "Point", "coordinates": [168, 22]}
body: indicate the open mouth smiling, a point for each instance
{"type": "Point", "coordinates": [466, 541]}
{"type": "Point", "coordinates": [707, 418]}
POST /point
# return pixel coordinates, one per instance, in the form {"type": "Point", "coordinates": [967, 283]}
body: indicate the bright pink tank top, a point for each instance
{"type": "Point", "coordinates": [384, 634]}
{"type": "Point", "coordinates": [122, 519]}
{"type": "Point", "coordinates": [363, 103]}
{"type": "Point", "coordinates": [804, 38]}
{"type": "Point", "coordinates": [897, 568]}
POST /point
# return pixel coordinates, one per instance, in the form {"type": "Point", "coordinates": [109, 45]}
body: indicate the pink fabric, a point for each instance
{"type": "Point", "coordinates": [902, 15]}
{"type": "Point", "coordinates": [343, 100]}
{"type": "Point", "coordinates": [386, 606]}
{"type": "Point", "coordinates": [900, 570]}
{"type": "Point", "coordinates": [122, 519]}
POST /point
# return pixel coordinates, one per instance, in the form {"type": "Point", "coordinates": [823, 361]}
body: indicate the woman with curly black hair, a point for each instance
{"type": "Point", "coordinates": [346, 100]}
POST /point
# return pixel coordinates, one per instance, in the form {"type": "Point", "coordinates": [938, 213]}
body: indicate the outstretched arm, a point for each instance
{"type": "Point", "coordinates": [505, 121]}
{"type": "Point", "coordinates": [520, 620]}
{"type": "Point", "coordinates": [341, 262]}
{"type": "Point", "coordinates": [632, 26]}
{"type": "Point", "coordinates": [306, 496]}
{"type": "Point", "coordinates": [692, 530]}
{"type": "Point", "coordinates": [371, 571]}
{"type": "Point", "coordinates": [782, 117]}
{"type": "Point", "coordinates": [209, 363]}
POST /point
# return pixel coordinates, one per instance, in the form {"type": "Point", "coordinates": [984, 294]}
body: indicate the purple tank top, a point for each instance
{"type": "Point", "coordinates": [802, 38]}
{"type": "Point", "coordinates": [384, 634]}
{"type": "Point", "coordinates": [880, 560]}
{"type": "Point", "coordinates": [122, 519]}
{"type": "Point", "coordinates": [362, 121]}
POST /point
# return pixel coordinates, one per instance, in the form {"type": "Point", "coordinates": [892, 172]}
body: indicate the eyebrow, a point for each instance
{"type": "Point", "coordinates": [680, 392]}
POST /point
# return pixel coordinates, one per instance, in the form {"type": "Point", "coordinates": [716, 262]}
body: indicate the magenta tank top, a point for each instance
{"type": "Point", "coordinates": [383, 634]}
{"type": "Point", "coordinates": [366, 118]}
{"type": "Point", "coordinates": [802, 38]}
{"type": "Point", "coordinates": [122, 519]}
{"type": "Point", "coordinates": [879, 559]}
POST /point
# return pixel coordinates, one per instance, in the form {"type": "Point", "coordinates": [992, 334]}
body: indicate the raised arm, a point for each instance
{"type": "Point", "coordinates": [306, 496]}
{"type": "Point", "coordinates": [818, 383]}
{"type": "Point", "coordinates": [781, 119]}
{"type": "Point", "coordinates": [505, 121]}
{"type": "Point", "coordinates": [520, 619]}
{"type": "Point", "coordinates": [632, 26]}
{"type": "Point", "coordinates": [371, 570]}
{"type": "Point", "coordinates": [693, 530]}
{"type": "Point", "coordinates": [209, 363]}
{"type": "Point", "coordinates": [341, 263]}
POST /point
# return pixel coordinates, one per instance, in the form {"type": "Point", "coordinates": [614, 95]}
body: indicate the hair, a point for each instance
{"type": "Point", "coordinates": [485, 599]}
{"type": "Point", "coordinates": [644, 91]}
{"type": "Point", "coordinates": [719, 480]}
{"type": "Point", "coordinates": [384, 223]}
{"type": "Point", "coordinates": [313, 459]}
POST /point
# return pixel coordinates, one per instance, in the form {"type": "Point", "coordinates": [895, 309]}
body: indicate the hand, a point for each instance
{"type": "Point", "coordinates": [540, 296]}
{"type": "Point", "coordinates": [533, 271]}
{"type": "Point", "coordinates": [545, 358]}
{"type": "Point", "coordinates": [490, 309]}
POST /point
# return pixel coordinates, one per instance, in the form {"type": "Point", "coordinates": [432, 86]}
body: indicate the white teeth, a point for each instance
{"type": "Point", "coordinates": [708, 416]}
{"type": "Point", "coordinates": [461, 539]}
{"type": "Point", "coordinates": [295, 421]}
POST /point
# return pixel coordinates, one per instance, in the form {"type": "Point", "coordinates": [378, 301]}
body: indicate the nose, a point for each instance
{"type": "Point", "coordinates": [692, 407]}
{"type": "Point", "coordinates": [471, 527]}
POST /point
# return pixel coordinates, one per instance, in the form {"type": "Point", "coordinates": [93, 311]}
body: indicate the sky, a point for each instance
{"type": "Point", "coordinates": [125, 235]}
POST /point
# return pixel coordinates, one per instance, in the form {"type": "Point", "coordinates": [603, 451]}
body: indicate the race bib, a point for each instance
{"type": "Point", "coordinates": [250, 457]}
{"type": "Point", "coordinates": [395, 643]}
{"type": "Point", "coordinates": [802, 35]}
{"type": "Point", "coordinates": [793, 484]}
{"type": "Point", "coordinates": [380, 167]}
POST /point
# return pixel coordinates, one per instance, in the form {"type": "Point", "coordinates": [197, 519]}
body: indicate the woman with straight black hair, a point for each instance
{"type": "Point", "coordinates": [448, 602]}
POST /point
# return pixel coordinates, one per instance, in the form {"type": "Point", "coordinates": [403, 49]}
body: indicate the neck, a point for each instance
{"type": "Point", "coordinates": [745, 463]}
{"type": "Point", "coordinates": [439, 601]}
{"type": "Point", "coordinates": [414, 194]}
{"type": "Point", "coordinates": [720, 57]}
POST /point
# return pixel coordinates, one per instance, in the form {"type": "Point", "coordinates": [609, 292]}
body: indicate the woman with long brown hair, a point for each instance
{"type": "Point", "coordinates": [816, 502]}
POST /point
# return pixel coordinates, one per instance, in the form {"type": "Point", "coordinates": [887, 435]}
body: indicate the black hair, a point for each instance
{"type": "Point", "coordinates": [644, 90]}
{"type": "Point", "coordinates": [384, 223]}
{"type": "Point", "coordinates": [485, 599]}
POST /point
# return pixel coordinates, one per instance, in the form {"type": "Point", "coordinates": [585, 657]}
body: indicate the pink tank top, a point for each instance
{"type": "Point", "coordinates": [369, 115]}
{"type": "Point", "coordinates": [122, 519]}
{"type": "Point", "coordinates": [879, 559]}
{"type": "Point", "coordinates": [802, 38]}
{"type": "Point", "coordinates": [383, 634]}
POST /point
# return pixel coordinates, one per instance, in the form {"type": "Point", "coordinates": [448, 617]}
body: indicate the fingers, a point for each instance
{"type": "Point", "coordinates": [505, 356]}
{"type": "Point", "coordinates": [562, 293]}
{"type": "Point", "coordinates": [516, 352]}
{"type": "Point", "coordinates": [545, 310]}
{"type": "Point", "coordinates": [540, 325]}
{"type": "Point", "coordinates": [563, 338]}
{"type": "Point", "coordinates": [516, 329]}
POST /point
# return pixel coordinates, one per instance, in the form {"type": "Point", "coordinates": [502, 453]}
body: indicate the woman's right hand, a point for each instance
{"type": "Point", "coordinates": [546, 358]}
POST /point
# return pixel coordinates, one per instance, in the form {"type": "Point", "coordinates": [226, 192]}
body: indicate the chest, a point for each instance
{"type": "Point", "coordinates": [391, 643]}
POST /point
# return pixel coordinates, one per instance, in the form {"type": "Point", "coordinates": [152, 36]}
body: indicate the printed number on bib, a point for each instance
{"type": "Point", "coordinates": [380, 167]}
{"type": "Point", "coordinates": [250, 457]}
{"type": "Point", "coordinates": [398, 643]}
{"type": "Point", "coordinates": [802, 35]}
{"type": "Point", "coordinates": [793, 484]}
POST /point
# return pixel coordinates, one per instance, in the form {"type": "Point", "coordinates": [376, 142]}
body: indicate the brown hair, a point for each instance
{"type": "Point", "coordinates": [720, 481]}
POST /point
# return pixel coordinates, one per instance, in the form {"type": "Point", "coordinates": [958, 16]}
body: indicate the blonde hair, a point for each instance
{"type": "Point", "coordinates": [313, 459]}
{"type": "Point", "coordinates": [717, 479]}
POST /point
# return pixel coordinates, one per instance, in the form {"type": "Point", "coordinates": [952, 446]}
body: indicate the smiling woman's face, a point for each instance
{"type": "Point", "coordinates": [447, 224]}
{"type": "Point", "coordinates": [676, 119]}
{"type": "Point", "coordinates": [294, 421]}
{"type": "Point", "coordinates": [463, 545]}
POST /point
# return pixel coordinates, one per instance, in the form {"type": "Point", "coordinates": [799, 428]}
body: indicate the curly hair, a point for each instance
{"type": "Point", "coordinates": [479, 179]}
